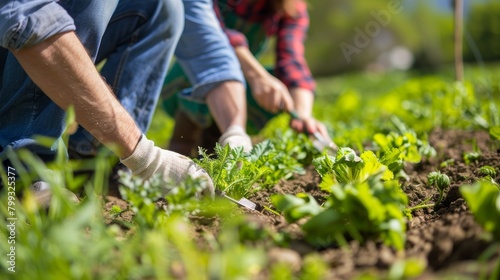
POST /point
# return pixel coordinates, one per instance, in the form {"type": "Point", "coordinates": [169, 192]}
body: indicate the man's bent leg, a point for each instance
{"type": "Point", "coordinates": [138, 46]}
{"type": "Point", "coordinates": [210, 63]}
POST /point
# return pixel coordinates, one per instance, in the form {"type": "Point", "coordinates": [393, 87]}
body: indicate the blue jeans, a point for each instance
{"type": "Point", "coordinates": [205, 59]}
{"type": "Point", "coordinates": [204, 51]}
{"type": "Point", "coordinates": [138, 44]}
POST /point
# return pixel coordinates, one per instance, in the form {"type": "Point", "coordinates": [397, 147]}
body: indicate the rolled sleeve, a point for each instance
{"type": "Point", "coordinates": [28, 22]}
{"type": "Point", "coordinates": [236, 38]}
{"type": "Point", "coordinates": [291, 65]}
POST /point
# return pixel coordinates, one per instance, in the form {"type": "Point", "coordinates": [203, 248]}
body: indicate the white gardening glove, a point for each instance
{"type": "Point", "coordinates": [235, 136]}
{"type": "Point", "coordinates": [148, 160]}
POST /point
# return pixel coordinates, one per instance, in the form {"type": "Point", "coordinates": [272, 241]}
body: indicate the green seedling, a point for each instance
{"type": "Point", "coordinates": [440, 181]}
{"type": "Point", "coordinates": [471, 157]}
{"type": "Point", "coordinates": [116, 210]}
{"type": "Point", "coordinates": [448, 162]}
{"type": "Point", "coordinates": [488, 171]}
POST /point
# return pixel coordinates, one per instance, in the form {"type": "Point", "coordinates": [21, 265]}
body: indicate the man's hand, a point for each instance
{"type": "Point", "coordinates": [148, 160]}
{"type": "Point", "coordinates": [310, 126]}
{"type": "Point", "coordinates": [271, 94]}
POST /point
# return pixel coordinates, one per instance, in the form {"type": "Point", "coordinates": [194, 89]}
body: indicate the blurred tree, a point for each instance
{"type": "Point", "coordinates": [483, 30]}
{"type": "Point", "coordinates": [434, 28]}
{"type": "Point", "coordinates": [350, 35]}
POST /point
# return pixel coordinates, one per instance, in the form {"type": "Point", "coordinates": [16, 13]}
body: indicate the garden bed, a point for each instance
{"type": "Point", "coordinates": [446, 238]}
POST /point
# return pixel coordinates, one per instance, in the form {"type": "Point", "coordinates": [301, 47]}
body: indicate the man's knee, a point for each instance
{"type": "Point", "coordinates": [158, 12]}
{"type": "Point", "coordinates": [172, 13]}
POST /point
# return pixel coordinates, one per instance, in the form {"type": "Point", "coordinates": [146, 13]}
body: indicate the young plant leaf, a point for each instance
{"type": "Point", "coordinates": [483, 199]}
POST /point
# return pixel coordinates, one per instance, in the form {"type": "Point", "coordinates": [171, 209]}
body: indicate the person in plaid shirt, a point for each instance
{"type": "Point", "coordinates": [288, 86]}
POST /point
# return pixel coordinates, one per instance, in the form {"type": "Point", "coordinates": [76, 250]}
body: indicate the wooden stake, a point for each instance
{"type": "Point", "coordinates": [459, 21]}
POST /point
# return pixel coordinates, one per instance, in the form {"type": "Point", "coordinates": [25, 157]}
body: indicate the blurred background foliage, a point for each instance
{"type": "Point", "coordinates": [483, 27]}
{"type": "Point", "coordinates": [416, 40]}
{"type": "Point", "coordinates": [417, 35]}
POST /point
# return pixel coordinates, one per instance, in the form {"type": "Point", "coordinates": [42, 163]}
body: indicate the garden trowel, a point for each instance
{"type": "Point", "coordinates": [321, 144]}
{"type": "Point", "coordinates": [243, 202]}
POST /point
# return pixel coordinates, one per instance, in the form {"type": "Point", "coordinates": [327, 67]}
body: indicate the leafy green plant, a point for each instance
{"type": "Point", "coordinates": [145, 198]}
{"type": "Point", "coordinates": [407, 268]}
{"type": "Point", "coordinates": [65, 230]}
{"type": "Point", "coordinates": [347, 167]}
{"type": "Point", "coordinates": [231, 170]}
{"type": "Point", "coordinates": [495, 132]}
{"type": "Point", "coordinates": [394, 160]}
{"type": "Point", "coordinates": [283, 160]}
{"type": "Point", "coordinates": [232, 259]}
{"type": "Point", "coordinates": [295, 207]}
{"type": "Point", "coordinates": [410, 146]}
{"type": "Point", "coordinates": [82, 246]}
{"type": "Point", "coordinates": [142, 197]}
{"type": "Point", "coordinates": [483, 199]}
{"type": "Point", "coordinates": [369, 209]}
{"type": "Point", "coordinates": [238, 173]}
{"type": "Point", "coordinates": [314, 267]}
{"type": "Point", "coordinates": [425, 103]}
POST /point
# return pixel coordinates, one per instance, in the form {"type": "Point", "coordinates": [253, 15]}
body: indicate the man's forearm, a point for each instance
{"type": "Point", "coordinates": [250, 66]}
{"type": "Point", "coordinates": [61, 67]}
{"type": "Point", "coordinates": [303, 100]}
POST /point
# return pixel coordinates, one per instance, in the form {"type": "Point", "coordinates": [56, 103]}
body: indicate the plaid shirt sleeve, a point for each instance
{"type": "Point", "coordinates": [236, 38]}
{"type": "Point", "coordinates": [291, 66]}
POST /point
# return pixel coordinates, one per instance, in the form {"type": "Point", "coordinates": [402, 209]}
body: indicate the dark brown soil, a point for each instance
{"type": "Point", "coordinates": [446, 237]}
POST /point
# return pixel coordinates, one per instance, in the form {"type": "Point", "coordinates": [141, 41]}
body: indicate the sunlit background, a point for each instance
{"type": "Point", "coordinates": [397, 34]}
{"type": "Point", "coordinates": [366, 48]}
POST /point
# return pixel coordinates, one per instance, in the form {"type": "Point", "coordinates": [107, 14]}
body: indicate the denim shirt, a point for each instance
{"type": "Point", "coordinates": [25, 111]}
{"type": "Point", "coordinates": [28, 22]}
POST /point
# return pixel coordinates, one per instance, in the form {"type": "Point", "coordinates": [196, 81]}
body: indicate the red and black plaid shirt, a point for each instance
{"type": "Point", "coordinates": [291, 66]}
